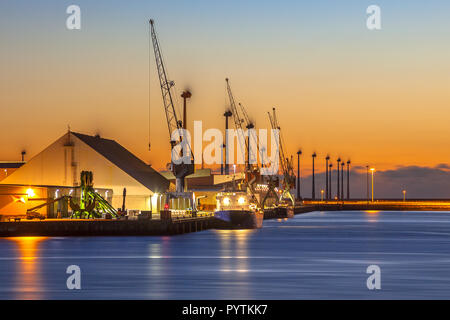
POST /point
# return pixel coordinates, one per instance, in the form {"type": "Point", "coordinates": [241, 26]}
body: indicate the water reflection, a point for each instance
{"type": "Point", "coordinates": [28, 279]}
{"type": "Point", "coordinates": [372, 215]}
{"type": "Point", "coordinates": [234, 268]}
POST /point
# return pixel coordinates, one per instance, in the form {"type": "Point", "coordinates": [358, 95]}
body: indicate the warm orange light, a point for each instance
{"type": "Point", "coordinates": [372, 169]}
{"type": "Point", "coordinates": [30, 193]}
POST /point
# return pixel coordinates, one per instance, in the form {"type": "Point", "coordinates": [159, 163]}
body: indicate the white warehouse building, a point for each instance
{"type": "Point", "coordinates": [113, 166]}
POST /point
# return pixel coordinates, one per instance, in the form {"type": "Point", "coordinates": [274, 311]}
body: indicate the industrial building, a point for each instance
{"type": "Point", "coordinates": [58, 167]}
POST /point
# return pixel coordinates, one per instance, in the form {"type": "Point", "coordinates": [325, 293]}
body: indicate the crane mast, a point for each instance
{"type": "Point", "coordinates": [182, 170]}
{"type": "Point", "coordinates": [236, 117]}
{"type": "Point", "coordinates": [285, 163]}
{"type": "Point", "coordinates": [252, 173]}
{"type": "Point", "coordinates": [166, 86]}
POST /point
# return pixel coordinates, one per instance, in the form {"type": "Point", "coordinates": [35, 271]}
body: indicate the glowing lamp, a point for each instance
{"type": "Point", "coordinates": [30, 193]}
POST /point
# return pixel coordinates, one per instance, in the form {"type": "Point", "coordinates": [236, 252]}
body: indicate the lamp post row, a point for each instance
{"type": "Point", "coordinates": [328, 178]}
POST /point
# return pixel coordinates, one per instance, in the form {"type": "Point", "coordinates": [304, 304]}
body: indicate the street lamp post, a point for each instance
{"type": "Point", "coordinates": [329, 184]}
{"type": "Point", "coordinates": [321, 194]}
{"type": "Point", "coordinates": [348, 179]}
{"type": "Point", "coordinates": [338, 182]}
{"type": "Point", "coordinates": [313, 194]}
{"type": "Point", "coordinates": [404, 195]}
{"type": "Point", "coordinates": [299, 197]}
{"type": "Point", "coordinates": [367, 168]}
{"type": "Point", "coordinates": [342, 180]}
{"type": "Point", "coordinates": [372, 170]}
{"type": "Point", "coordinates": [326, 176]}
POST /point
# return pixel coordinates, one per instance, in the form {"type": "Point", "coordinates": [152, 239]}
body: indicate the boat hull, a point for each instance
{"type": "Point", "coordinates": [239, 219]}
{"type": "Point", "coordinates": [285, 212]}
{"type": "Point", "coordinates": [279, 213]}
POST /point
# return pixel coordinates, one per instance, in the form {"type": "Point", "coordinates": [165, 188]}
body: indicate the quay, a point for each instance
{"type": "Point", "coordinates": [181, 225]}
{"type": "Point", "coordinates": [101, 227]}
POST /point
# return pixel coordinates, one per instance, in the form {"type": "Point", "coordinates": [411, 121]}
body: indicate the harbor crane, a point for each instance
{"type": "Point", "coordinates": [252, 172]}
{"type": "Point", "coordinates": [180, 171]}
{"type": "Point", "coordinates": [237, 121]}
{"type": "Point", "coordinates": [285, 163]}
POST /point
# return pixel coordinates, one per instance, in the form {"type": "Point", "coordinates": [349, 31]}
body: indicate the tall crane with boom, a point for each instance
{"type": "Point", "coordinates": [252, 172]}
{"type": "Point", "coordinates": [285, 163]}
{"type": "Point", "coordinates": [180, 171]}
{"type": "Point", "coordinates": [237, 121]}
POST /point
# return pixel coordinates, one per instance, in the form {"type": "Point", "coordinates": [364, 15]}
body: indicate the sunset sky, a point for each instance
{"type": "Point", "coordinates": [379, 97]}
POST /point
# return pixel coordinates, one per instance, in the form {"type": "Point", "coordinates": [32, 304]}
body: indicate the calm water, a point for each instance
{"type": "Point", "coordinates": [315, 255]}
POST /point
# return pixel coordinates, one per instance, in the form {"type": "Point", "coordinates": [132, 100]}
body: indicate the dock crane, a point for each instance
{"type": "Point", "coordinates": [286, 165]}
{"type": "Point", "coordinates": [237, 120]}
{"type": "Point", "coordinates": [180, 171]}
{"type": "Point", "coordinates": [252, 172]}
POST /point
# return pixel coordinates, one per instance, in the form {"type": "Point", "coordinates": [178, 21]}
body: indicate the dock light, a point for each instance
{"type": "Point", "coordinates": [30, 193]}
{"type": "Point", "coordinates": [22, 199]}
{"type": "Point", "coordinates": [241, 200]}
{"type": "Point", "coordinates": [226, 201]}
{"type": "Point", "coordinates": [404, 195]}
{"type": "Point", "coordinates": [321, 192]}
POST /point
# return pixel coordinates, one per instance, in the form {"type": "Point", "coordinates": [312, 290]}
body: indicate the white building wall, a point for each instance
{"type": "Point", "coordinates": [53, 167]}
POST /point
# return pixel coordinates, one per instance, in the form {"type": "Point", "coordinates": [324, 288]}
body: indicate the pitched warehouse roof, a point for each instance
{"type": "Point", "coordinates": [126, 161]}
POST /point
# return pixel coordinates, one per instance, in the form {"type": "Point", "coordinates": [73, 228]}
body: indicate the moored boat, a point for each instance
{"type": "Point", "coordinates": [236, 210]}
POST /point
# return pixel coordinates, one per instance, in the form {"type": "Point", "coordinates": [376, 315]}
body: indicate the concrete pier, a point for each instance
{"type": "Point", "coordinates": [157, 227]}
{"type": "Point", "coordinates": [74, 227]}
